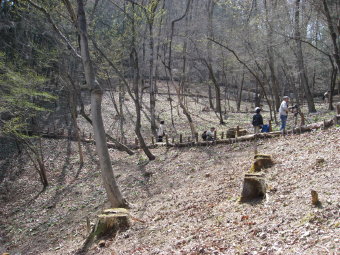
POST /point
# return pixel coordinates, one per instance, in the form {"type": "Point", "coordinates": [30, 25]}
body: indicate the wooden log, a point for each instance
{"type": "Point", "coordinates": [329, 123]}
{"type": "Point", "coordinates": [237, 131]}
{"type": "Point", "coordinates": [262, 135]}
{"type": "Point", "coordinates": [254, 187]}
{"type": "Point", "coordinates": [270, 126]}
{"type": "Point", "coordinates": [315, 198]}
{"type": "Point", "coordinates": [230, 133]}
{"type": "Point", "coordinates": [302, 119]}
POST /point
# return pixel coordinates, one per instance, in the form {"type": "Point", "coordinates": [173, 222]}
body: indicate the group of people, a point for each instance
{"type": "Point", "coordinates": [257, 122]}
{"type": "Point", "coordinates": [208, 135]}
{"type": "Point", "coordinates": [283, 112]}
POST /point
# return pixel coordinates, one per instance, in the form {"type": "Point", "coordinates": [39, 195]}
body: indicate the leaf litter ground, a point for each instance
{"type": "Point", "coordinates": [187, 197]}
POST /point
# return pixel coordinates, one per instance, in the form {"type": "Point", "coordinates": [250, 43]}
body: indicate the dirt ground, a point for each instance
{"type": "Point", "coordinates": [187, 200]}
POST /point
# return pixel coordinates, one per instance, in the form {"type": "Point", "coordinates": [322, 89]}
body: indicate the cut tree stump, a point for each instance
{"type": "Point", "coordinates": [254, 187]}
{"type": "Point", "coordinates": [261, 161]}
{"type": "Point", "coordinates": [233, 132]}
{"type": "Point", "coordinates": [108, 223]}
{"type": "Point", "coordinates": [315, 198]}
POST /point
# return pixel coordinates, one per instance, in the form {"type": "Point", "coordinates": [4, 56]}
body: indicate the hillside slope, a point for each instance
{"type": "Point", "coordinates": [187, 197]}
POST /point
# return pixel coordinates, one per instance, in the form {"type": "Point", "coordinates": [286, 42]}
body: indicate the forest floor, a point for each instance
{"type": "Point", "coordinates": [176, 122]}
{"type": "Point", "coordinates": [188, 198]}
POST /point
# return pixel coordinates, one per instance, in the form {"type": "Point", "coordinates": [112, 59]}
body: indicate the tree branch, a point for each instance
{"type": "Point", "coordinates": [56, 29]}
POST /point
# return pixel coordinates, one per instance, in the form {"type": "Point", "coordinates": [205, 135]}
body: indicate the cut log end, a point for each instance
{"type": "Point", "coordinates": [315, 198]}
{"type": "Point", "coordinates": [254, 187]}
{"type": "Point", "coordinates": [111, 221]}
{"type": "Point", "coordinates": [261, 162]}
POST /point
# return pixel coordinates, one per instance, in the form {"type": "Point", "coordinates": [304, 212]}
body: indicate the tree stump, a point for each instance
{"type": "Point", "coordinates": [254, 187]}
{"type": "Point", "coordinates": [261, 161]}
{"type": "Point", "coordinates": [315, 198]}
{"type": "Point", "coordinates": [108, 223]}
{"type": "Point", "coordinates": [233, 132]}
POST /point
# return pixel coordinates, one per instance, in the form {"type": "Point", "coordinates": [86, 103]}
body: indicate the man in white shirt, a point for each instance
{"type": "Point", "coordinates": [161, 131]}
{"type": "Point", "coordinates": [283, 111]}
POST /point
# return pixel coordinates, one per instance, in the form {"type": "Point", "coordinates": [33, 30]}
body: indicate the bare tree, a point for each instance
{"type": "Point", "coordinates": [300, 61]}
{"type": "Point", "coordinates": [111, 187]}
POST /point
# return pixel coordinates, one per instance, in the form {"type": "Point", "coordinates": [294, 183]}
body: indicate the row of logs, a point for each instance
{"type": "Point", "coordinates": [230, 136]}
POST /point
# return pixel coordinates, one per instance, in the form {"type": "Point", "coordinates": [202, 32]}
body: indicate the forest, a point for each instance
{"type": "Point", "coordinates": [127, 127]}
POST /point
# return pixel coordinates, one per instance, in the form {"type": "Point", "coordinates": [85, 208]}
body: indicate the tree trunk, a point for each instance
{"type": "Point", "coordinates": [271, 62]}
{"type": "Point", "coordinates": [217, 90]}
{"type": "Point", "coordinates": [151, 81]}
{"type": "Point", "coordinates": [332, 88]}
{"type": "Point", "coordinates": [121, 112]}
{"type": "Point", "coordinates": [180, 100]}
{"type": "Point", "coordinates": [333, 34]}
{"type": "Point", "coordinates": [112, 190]}
{"type": "Point", "coordinates": [38, 161]}
{"type": "Point", "coordinates": [73, 110]}
{"type": "Point", "coordinates": [210, 8]}
{"type": "Point", "coordinates": [136, 82]}
{"type": "Point", "coordinates": [300, 61]}
{"type": "Point", "coordinates": [239, 95]}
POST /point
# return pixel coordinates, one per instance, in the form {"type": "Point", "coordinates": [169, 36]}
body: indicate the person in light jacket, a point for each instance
{"type": "Point", "coordinates": [161, 131]}
{"type": "Point", "coordinates": [283, 111]}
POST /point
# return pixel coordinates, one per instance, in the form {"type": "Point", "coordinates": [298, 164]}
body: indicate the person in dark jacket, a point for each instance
{"type": "Point", "coordinates": [257, 120]}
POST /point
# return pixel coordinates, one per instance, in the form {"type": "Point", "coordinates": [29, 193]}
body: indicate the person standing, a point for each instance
{"type": "Point", "coordinates": [283, 111]}
{"type": "Point", "coordinates": [161, 131]}
{"type": "Point", "coordinates": [257, 120]}
{"type": "Point", "coordinates": [325, 97]}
